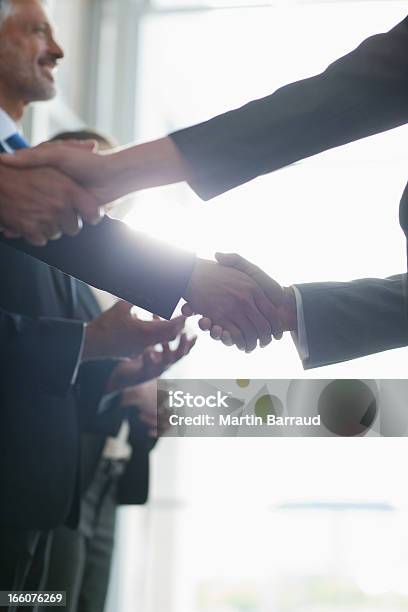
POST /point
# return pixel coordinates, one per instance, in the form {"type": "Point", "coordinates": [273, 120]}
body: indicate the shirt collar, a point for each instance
{"type": "Point", "coordinates": [7, 126]}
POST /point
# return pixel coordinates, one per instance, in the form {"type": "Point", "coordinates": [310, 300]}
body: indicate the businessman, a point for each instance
{"type": "Point", "coordinates": [362, 93]}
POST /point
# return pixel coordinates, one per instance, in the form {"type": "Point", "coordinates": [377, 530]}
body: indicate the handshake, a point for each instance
{"type": "Point", "coordinates": [240, 304]}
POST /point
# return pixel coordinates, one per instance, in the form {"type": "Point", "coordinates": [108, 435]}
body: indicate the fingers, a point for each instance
{"type": "Point", "coordinates": [190, 345]}
{"type": "Point", "coordinates": [39, 234]}
{"type": "Point", "coordinates": [86, 205]}
{"type": "Point", "coordinates": [232, 260]}
{"type": "Point", "coordinates": [167, 353]}
{"type": "Point", "coordinates": [89, 145]}
{"type": "Point", "coordinates": [229, 333]}
{"type": "Point", "coordinates": [158, 332]}
{"type": "Point", "coordinates": [184, 347]}
{"type": "Point", "coordinates": [9, 235]}
{"type": "Point", "coordinates": [205, 324]}
{"type": "Point", "coordinates": [236, 335]}
{"type": "Point", "coordinates": [261, 324]}
{"type": "Point", "coordinates": [248, 330]}
{"type": "Point", "coordinates": [216, 332]}
{"type": "Point", "coordinates": [52, 230]}
{"type": "Point", "coordinates": [62, 157]}
{"type": "Point", "coordinates": [122, 308]}
{"type": "Point", "coordinates": [271, 313]}
{"type": "Point", "coordinates": [226, 338]}
{"type": "Point", "coordinates": [187, 310]}
{"type": "Point", "coordinates": [153, 365]}
{"type": "Point", "coordinates": [43, 155]}
{"type": "Point", "coordinates": [71, 223]}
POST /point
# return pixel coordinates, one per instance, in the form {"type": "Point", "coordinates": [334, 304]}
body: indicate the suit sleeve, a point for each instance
{"type": "Point", "coordinates": [348, 320]}
{"type": "Point", "coordinates": [363, 93]}
{"type": "Point", "coordinates": [33, 346]}
{"type": "Point", "coordinates": [99, 413]}
{"type": "Point", "coordinates": [133, 486]}
{"type": "Point", "coordinates": [128, 264]}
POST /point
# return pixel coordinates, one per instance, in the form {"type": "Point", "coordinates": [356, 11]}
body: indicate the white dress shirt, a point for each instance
{"type": "Point", "coordinates": [300, 338]}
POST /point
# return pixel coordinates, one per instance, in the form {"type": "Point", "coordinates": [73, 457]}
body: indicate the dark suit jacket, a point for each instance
{"type": "Point", "coordinates": [128, 264]}
{"type": "Point", "coordinates": [31, 345]}
{"type": "Point", "coordinates": [133, 485]}
{"type": "Point", "coordinates": [39, 433]}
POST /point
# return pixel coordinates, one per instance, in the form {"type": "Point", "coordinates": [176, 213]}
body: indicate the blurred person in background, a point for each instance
{"type": "Point", "coordinates": [113, 470]}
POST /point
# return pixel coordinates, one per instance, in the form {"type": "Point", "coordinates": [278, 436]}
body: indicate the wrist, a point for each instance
{"type": "Point", "coordinates": [147, 165]}
{"type": "Point", "coordinates": [189, 290]}
{"type": "Point", "coordinates": [288, 310]}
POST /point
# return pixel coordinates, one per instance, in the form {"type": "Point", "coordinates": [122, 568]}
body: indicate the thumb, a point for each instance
{"type": "Point", "coordinates": [122, 308]}
{"type": "Point", "coordinates": [48, 154]}
{"type": "Point", "coordinates": [187, 310]}
{"type": "Point", "coordinates": [232, 260]}
{"type": "Point", "coordinates": [269, 286]}
{"type": "Point", "coordinates": [87, 145]}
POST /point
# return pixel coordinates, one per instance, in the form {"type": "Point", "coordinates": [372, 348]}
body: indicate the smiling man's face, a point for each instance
{"type": "Point", "coordinates": [28, 53]}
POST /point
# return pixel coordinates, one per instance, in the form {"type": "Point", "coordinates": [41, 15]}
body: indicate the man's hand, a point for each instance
{"type": "Point", "coordinates": [41, 205]}
{"type": "Point", "coordinates": [113, 175]}
{"type": "Point", "coordinates": [151, 364]}
{"type": "Point", "coordinates": [235, 303]}
{"type": "Point", "coordinates": [119, 333]}
{"type": "Point", "coordinates": [83, 164]}
{"type": "Point", "coordinates": [282, 297]}
{"type": "Point", "coordinates": [151, 405]}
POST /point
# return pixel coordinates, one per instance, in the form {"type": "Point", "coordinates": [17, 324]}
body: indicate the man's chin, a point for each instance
{"type": "Point", "coordinates": [43, 91]}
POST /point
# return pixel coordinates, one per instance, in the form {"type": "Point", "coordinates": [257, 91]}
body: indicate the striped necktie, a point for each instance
{"type": "Point", "coordinates": [9, 145]}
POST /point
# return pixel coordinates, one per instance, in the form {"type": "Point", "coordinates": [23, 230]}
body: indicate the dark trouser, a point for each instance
{"type": "Point", "coordinates": [80, 559]}
{"type": "Point", "coordinates": [23, 561]}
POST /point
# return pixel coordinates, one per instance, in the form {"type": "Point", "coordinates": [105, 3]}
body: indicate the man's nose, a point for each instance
{"type": "Point", "coordinates": [54, 49]}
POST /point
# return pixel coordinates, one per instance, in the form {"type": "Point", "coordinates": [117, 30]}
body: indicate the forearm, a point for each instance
{"type": "Point", "coordinates": [149, 164]}
{"type": "Point", "coordinates": [130, 265]}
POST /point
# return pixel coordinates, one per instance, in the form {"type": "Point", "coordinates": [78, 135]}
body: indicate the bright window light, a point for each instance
{"type": "Point", "coordinates": [238, 525]}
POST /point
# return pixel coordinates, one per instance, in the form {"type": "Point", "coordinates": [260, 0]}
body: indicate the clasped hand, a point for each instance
{"type": "Point", "coordinates": [239, 302]}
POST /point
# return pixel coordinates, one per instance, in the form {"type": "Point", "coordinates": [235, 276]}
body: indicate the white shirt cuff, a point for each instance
{"type": "Point", "coordinates": [300, 337]}
{"type": "Point", "coordinates": [79, 360]}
